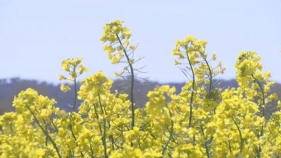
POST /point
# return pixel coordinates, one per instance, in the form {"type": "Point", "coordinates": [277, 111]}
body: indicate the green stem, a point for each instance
{"type": "Point", "coordinates": [240, 135]}
{"type": "Point", "coordinates": [132, 81]}
{"type": "Point", "coordinates": [169, 140]}
{"type": "Point", "coordinates": [263, 109]}
{"type": "Point", "coordinates": [193, 87]}
{"type": "Point", "coordinates": [171, 133]}
{"type": "Point", "coordinates": [211, 75]}
{"type": "Point", "coordinates": [112, 142]}
{"type": "Point", "coordinates": [229, 147]}
{"type": "Point", "coordinates": [263, 96]}
{"type": "Point", "coordinates": [73, 135]}
{"type": "Point", "coordinates": [104, 139]}
{"type": "Point", "coordinates": [211, 86]}
{"type": "Point", "coordinates": [46, 133]}
{"type": "Point", "coordinates": [97, 117]}
{"type": "Point", "coordinates": [54, 125]}
{"type": "Point", "coordinates": [205, 143]}
{"type": "Point", "coordinates": [75, 93]}
{"type": "Point", "coordinates": [104, 128]}
{"type": "Point", "coordinates": [92, 152]}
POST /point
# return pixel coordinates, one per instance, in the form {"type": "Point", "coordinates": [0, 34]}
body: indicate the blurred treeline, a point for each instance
{"type": "Point", "coordinates": [11, 87]}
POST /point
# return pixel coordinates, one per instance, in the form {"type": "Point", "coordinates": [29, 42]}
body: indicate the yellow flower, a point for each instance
{"type": "Point", "coordinates": [133, 47]}
{"type": "Point", "coordinates": [214, 57]}
{"type": "Point", "coordinates": [109, 49]}
{"type": "Point", "coordinates": [177, 62]}
{"type": "Point", "coordinates": [73, 74]}
{"type": "Point", "coordinates": [65, 65]}
{"type": "Point", "coordinates": [82, 69]}
{"type": "Point", "coordinates": [65, 88]}
{"type": "Point", "coordinates": [79, 60]}
{"type": "Point", "coordinates": [61, 77]}
{"type": "Point", "coordinates": [118, 74]}
{"type": "Point", "coordinates": [40, 152]}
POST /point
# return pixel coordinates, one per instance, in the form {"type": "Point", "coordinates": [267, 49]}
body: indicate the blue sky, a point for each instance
{"type": "Point", "coordinates": [35, 36]}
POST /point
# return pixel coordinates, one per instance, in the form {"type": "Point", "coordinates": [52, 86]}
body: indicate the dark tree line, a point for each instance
{"type": "Point", "coordinates": [11, 87]}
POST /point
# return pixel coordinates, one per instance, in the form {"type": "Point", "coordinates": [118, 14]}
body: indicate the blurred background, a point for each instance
{"type": "Point", "coordinates": [35, 36]}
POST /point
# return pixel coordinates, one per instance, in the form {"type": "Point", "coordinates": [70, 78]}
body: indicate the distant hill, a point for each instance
{"type": "Point", "coordinates": [11, 87]}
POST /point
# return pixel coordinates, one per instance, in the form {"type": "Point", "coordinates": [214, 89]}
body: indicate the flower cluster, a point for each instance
{"type": "Point", "coordinates": [201, 121]}
{"type": "Point", "coordinates": [118, 38]}
{"type": "Point", "coordinates": [74, 68]}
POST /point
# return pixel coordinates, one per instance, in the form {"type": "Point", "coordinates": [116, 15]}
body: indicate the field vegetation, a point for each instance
{"type": "Point", "coordinates": [199, 121]}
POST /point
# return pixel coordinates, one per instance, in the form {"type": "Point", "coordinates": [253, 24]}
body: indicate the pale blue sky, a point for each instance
{"type": "Point", "coordinates": [36, 35]}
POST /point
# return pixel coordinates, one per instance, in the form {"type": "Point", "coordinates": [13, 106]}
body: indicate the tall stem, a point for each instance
{"type": "Point", "coordinates": [205, 143]}
{"type": "Point", "coordinates": [193, 87]}
{"type": "Point", "coordinates": [210, 77]}
{"type": "Point", "coordinates": [75, 93]}
{"type": "Point", "coordinates": [104, 128]}
{"type": "Point", "coordinates": [46, 133]}
{"type": "Point", "coordinates": [171, 133]}
{"type": "Point", "coordinates": [263, 110]}
{"type": "Point", "coordinates": [240, 135]}
{"type": "Point", "coordinates": [132, 81]}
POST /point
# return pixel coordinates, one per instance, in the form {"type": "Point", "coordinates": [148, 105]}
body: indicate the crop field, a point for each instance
{"type": "Point", "coordinates": [200, 122]}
